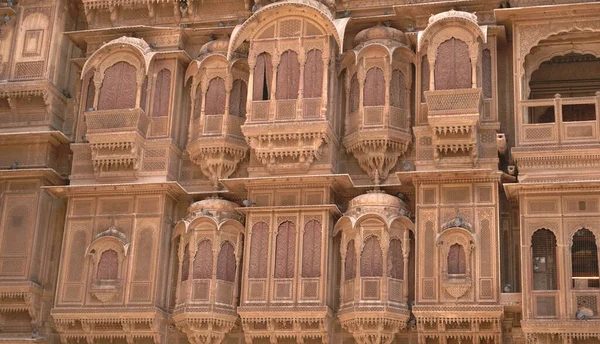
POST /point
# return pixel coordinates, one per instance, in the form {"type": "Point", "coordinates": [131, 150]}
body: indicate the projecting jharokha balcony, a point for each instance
{"type": "Point", "coordinates": [116, 139]}
{"type": "Point", "coordinates": [559, 120]}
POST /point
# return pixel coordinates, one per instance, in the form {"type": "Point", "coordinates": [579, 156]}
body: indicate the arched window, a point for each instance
{"type": "Point", "coordinates": [263, 74]}
{"type": "Point", "coordinates": [162, 94]}
{"type": "Point", "coordinates": [226, 263]}
{"type": "Point", "coordinates": [91, 93]}
{"type": "Point", "coordinates": [285, 251]}
{"type": "Point", "coordinates": [311, 249]}
{"type": "Point", "coordinates": [313, 74]}
{"type": "Point", "coordinates": [486, 73]}
{"type": "Point", "coordinates": [119, 87]}
{"type": "Point", "coordinates": [198, 103]}
{"type": "Point", "coordinates": [185, 264]}
{"type": "Point", "coordinates": [584, 260]}
{"type": "Point", "coordinates": [452, 65]}
{"type": "Point", "coordinates": [108, 266]}
{"type": "Point", "coordinates": [215, 97]}
{"type": "Point", "coordinates": [288, 76]}
{"type": "Point", "coordinates": [354, 94]}
{"type": "Point", "coordinates": [237, 98]}
{"type": "Point", "coordinates": [395, 260]}
{"type": "Point", "coordinates": [350, 267]}
{"type": "Point", "coordinates": [457, 261]}
{"type": "Point", "coordinates": [398, 90]}
{"type": "Point", "coordinates": [543, 247]}
{"type": "Point", "coordinates": [374, 90]}
{"type": "Point", "coordinates": [259, 250]}
{"type": "Point", "coordinates": [371, 261]}
{"type": "Point", "coordinates": [203, 262]}
{"type": "Point", "coordinates": [424, 77]}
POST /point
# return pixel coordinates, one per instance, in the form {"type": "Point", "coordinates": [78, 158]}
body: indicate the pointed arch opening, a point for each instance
{"type": "Point", "coordinates": [457, 260]}
{"type": "Point", "coordinates": [350, 265]}
{"type": "Point", "coordinates": [371, 260]}
{"type": "Point", "coordinates": [108, 266]}
{"type": "Point", "coordinates": [203, 261]}
{"type": "Point", "coordinates": [395, 260]}
{"type": "Point", "coordinates": [226, 263]}
{"type": "Point", "coordinates": [263, 74]}
{"type": "Point", "coordinates": [584, 260]}
{"type": "Point", "coordinates": [285, 251]}
{"type": "Point", "coordinates": [259, 250]}
{"type": "Point", "coordinates": [374, 89]}
{"type": "Point", "coordinates": [119, 87]}
{"type": "Point", "coordinates": [543, 247]}
{"type": "Point", "coordinates": [288, 76]}
{"type": "Point", "coordinates": [311, 249]}
{"type": "Point", "coordinates": [453, 65]}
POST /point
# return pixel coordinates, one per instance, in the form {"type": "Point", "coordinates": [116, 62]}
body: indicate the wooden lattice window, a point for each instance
{"type": "Point", "coordinates": [108, 266]}
{"type": "Point", "coordinates": [198, 102]}
{"type": "Point", "coordinates": [237, 98]}
{"type": "Point", "coordinates": [398, 90]}
{"type": "Point", "coordinates": [486, 73]}
{"type": "Point", "coordinates": [311, 249]}
{"type": "Point", "coordinates": [185, 264]}
{"type": "Point", "coordinates": [371, 258]}
{"type": "Point", "coordinates": [259, 250]}
{"type": "Point", "coordinates": [424, 77]}
{"type": "Point", "coordinates": [288, 76]}
{"type": "Point", "coordinates": [543, 247]}
{"type": "Point", "coordinates": [203, 261]}
{"type": "Point", "coordinates": [215, 97]}
{"type": "Point", "coordinates": [452, 65]}
{"type": "Point", "coordinates": [395, 260]}
{"type": "Point", "coordinates": [162, 94]}
{"type": "Point", "coordinates": [350, 267]}
{"type": "Point", "coordinates": [313, 74]}
{"type": "Point", "coordinates": [354, 94]}
{"type": "Point", "coordinates": [457, 262]}
{"type": "Point", "coordinates": [119, 87]}
{"type": "Point", "coordinates": [285, 251]}
{"type": "Point", "coordinates": [374, 89]}
{"type": "Point", "coordinates": [226, 263]}
{"type": "Point", "coordinates": [263, 74]}
{"type": "Point", "coordinates": [584, 259]}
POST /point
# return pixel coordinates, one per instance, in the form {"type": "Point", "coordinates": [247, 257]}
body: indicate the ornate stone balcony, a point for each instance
{"type": "Point", "coordinates": [210, 246]}
{"type": "Point", "coordinates": [454, 118]}
{"type": "Point", "coordinates": [217, 145]}
{"type": "Point", "coordinates": [116, 138]}
{"type": "Point", "coordinates": [561, 134]}
{"type": "Point", "coordinates": [288, 146]}
{"type": "Point", "coordinates": [375, 264]}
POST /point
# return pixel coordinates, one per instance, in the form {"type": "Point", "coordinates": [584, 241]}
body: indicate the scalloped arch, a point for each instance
{"type": "Point", "coordinates": [310, 9]}
{"type": "Point", "coordinates": [136, 47]}
{"type": "Point", "coordinates": [448, 21]}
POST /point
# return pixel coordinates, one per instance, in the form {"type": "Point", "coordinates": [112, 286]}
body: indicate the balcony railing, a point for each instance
{"type": "Point", "coordinates": [106, 121]}
{"type": "Point", "coordinates": [559, 120]}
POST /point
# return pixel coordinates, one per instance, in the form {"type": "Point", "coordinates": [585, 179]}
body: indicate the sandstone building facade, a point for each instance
{"type": "Point", "coordinates": [299, 171]}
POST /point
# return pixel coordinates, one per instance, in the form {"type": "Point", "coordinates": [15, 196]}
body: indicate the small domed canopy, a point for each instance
{"type": "Point", "coordinates": [215, 211]}
{"type": "Point", "coordinates": [137, 48]}
{"type": "Point", "coordinates": [382, 38]}
{"type": "Point", "coordinates": [450, 20]}
{"type": "Point", "coordinates": [305, 8]}
{"type": "Point", "coordinates": [375, 204]}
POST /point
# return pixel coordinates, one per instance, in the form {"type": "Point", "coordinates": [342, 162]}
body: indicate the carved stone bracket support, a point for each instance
{"type": "Point", "coordinates": [217, 158]}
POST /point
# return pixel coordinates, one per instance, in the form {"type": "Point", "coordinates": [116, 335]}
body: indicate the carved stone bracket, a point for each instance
{"type": "Point", "coordinates": [218, 158]}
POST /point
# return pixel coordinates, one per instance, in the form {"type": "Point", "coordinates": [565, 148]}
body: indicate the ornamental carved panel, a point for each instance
{"type": "Point", "coordinates": [371, 260]}
{"type": "Point", "coordinates": [119, 87]}
{"type": "Point", "coordinates": [259, 248]}
{"type": "Point", "coordinates": [311, 249]}
{"type": "Point", "coordinates": [452, 65]}
{"type": "Point", "coordinates": [288, 76]}
{"type": "Point", "coordinates": [226, 263]}
{"type": "Point", "coordinates": [285, 250]}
